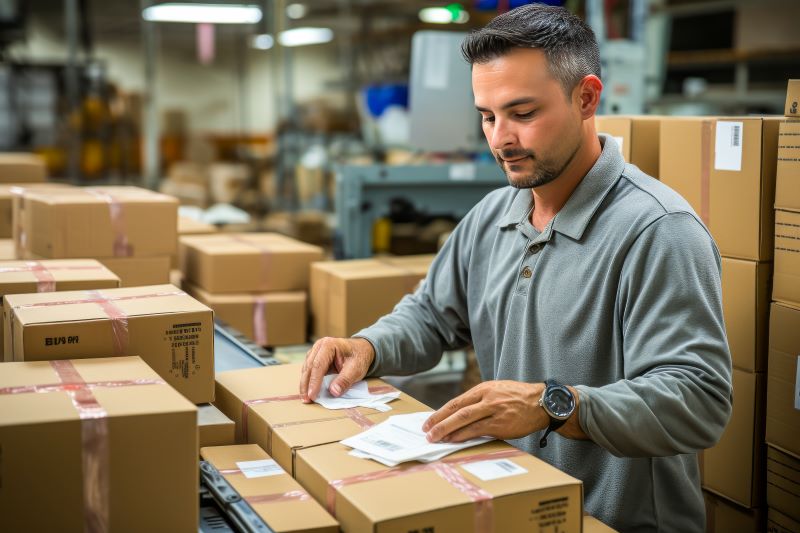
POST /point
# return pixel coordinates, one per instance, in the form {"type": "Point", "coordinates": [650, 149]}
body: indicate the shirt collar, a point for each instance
{"type": "Point", "coordinates": [576, 214]}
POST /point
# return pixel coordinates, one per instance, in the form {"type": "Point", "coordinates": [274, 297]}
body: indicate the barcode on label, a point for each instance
{"type": "Point", "coordinates": [259, 468]}
{"type": "Point", "coordinates": [386, 445]}
{"type": "Point", "coordinates": [494, 469]}
{"type": "Point", "coordinates": [507, 465]}
{"type": "Point", "coordinates": [736, 135]}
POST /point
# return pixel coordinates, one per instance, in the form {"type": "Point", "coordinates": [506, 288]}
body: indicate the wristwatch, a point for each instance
{"type": "Point", "coordinates": [559, 404]}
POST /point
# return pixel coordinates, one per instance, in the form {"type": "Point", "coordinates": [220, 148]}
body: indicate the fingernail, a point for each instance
{"type": "Point", "coordinates": [335, 389]}
{"type": "Point", "coordinates": [429, 437]}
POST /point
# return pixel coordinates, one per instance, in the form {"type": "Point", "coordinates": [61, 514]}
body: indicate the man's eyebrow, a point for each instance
{"type": "Point", "coordinates": [512, 103]}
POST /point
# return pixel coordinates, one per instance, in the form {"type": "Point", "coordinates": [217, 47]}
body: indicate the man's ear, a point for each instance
{"type": "Point", "coordinates": [587, 93]}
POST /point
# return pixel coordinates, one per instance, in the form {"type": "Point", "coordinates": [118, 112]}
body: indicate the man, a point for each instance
{"type": "Point", "coordinates": [585, 274]}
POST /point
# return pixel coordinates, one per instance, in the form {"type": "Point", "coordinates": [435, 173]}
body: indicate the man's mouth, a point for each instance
{"type": "Point", "coordinates": [515, 160]}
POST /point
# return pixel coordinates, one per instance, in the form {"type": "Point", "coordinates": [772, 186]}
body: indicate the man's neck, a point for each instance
{"type": "Point", "coordinates": [549, 199]}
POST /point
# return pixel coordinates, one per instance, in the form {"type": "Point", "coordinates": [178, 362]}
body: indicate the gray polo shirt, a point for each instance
{"type": "Point", "coordinates": [620, 297]}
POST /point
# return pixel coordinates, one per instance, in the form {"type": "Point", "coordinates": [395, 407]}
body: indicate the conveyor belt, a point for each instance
{"type": "Point", "coordinates": [233, 351]}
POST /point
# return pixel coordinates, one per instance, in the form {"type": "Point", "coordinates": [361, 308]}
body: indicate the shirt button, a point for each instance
{"type": "Point", "coordinates": [535, 248]}
{"type": "Point", "coordinates": [526, 272]}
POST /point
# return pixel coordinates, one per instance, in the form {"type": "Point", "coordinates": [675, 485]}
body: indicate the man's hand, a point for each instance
{"type": "Point", "coordinates": [501, 409]}
{"type": "Point", "coordinates": [351, 358]}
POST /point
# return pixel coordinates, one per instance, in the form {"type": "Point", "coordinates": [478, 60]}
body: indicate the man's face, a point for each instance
{"type": "Point", "coordinates": [533, 130]}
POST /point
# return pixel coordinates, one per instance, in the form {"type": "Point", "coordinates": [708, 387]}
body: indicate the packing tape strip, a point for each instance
{"type": "Point", "coordinates": [705, 172]}
{"type": "Point", "coordinates": [20, 237]}
{"type": "Point", "coordinates": [266, 257]}
{"type": "Point", "coordinates": [45, 282]}
{"type": "Point", "coordinates": [296, 495]}
{"type": "Point", "coordinates": [382, 389]}
{"type": "Point", "coordinates": [94, 435]}
{"type": "Point", "coordinates": [121, 246]}
{"type": "Point", "coordinates": [446, 469]}
{"type": "Point", "coordinates": [260, 321]}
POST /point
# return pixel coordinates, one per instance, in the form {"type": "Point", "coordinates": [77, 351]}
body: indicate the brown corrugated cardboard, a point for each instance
{"type": "Point", "coordinates": [8, 251]}
{"type": "Point", "coordinates": [269, 318]}
{"type": "Point", "coordinates": [139, 271]}
{"type": "Point", "coordinates": [593, 525]}
{"type": "Point", "coordinates": [190, 226]}
{"type": "Point", "coordinates": [173, 332]}
{"type": "Point", "coordinates": [6, 203]}
{"type": "Point", "coordinates": [22, 168]}
{"type": "Point", "coordinates": [742, 445]}
{"type": "Point", "coordinates": [284, 424]}
{"type": "Point", "coordinates": [541, 499]}
{"type": "Point", "coordinates": [347, 296]}
{"type": "Point", "coordinates": [52, 456]}
{"type": "Point", "coordinates": [778, 522]}
{"type": "Point", "coordinates": [278, 499]}
{"type": "Point", "coordinates": [213, 427]}
{"type": "Point", "coordinates": [787, 174]}
{"type": "Point", "coordinates": [637, 137]}
{"type": "Point", "coordinates": [793, 99]}
{"type": "Point", "coordinates": [97, 222]}
{"type": "Point", "coordinates": [262, 262]}
{"type": "Point", "coordinates": [723, 516]}
{"type": "Point", "coordinates": [699, 159]}
{"type": "Point", "coordinates": [20, 277]}
{"type": "Point", "coordinates": [786, 277]}
{"type": "Point", "coordinates": [745, 303]}
{"type": "Point", "coordinates": [783, 383]}
{"type": "Point", "coordinates": [783, 482]}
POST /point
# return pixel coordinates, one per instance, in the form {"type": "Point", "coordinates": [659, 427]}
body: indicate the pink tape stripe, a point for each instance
{"type": "Point", "coordinates": [484, 519]}
{"type": "Point", "coordinates": [266, 257]}
{"type": "Point", "coordinates": [362, 421]}
{"type": "Point", "coordinates": [121, 246]}
{"type": "Point", "coordinates": [381, 389]}
{"type": "Point", "coordinates": [402, 470]}
{"type": "Point", "coordinates": [66, 387]}
{"type": "Point", "coordinates": [119, 323]}
{"type": "Point", "coordinates": [292, 495]}
{"type": "Point", "coordinates": [260, 321]}
{"type": "Point", "coordinates": [3, 270]}
{"type": "Point", "coordinates": [45, 282]}
{"type": "Point", "coordinates": [99, 298]}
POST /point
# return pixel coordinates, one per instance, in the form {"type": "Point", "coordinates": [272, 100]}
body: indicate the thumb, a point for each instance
{"type": "Point", "coordinates": [349, 375]}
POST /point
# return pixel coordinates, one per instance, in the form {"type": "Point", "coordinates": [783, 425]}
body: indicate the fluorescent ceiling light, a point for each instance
{"type": "Point", "coordinates": [452, 14]}
{"type": "Point", "coordinates": [203, 13]}
{"type": "Point", "coordinates": [296, 11]}
{"type": "Point", "coordinates": [304, 36]}
{"type": "Point", "coordinates": [264, 41]}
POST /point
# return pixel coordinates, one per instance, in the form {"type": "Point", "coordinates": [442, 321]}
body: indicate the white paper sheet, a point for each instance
{"type": "Point", "coordinates": [356, 396]}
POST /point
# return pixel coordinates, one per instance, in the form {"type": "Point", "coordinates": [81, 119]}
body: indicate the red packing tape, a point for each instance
{"type": "Point", "coordinates": [296, 495]}
{"type": "Point", "coordinates": [260, 321]}
{"type": "Point", "coordinates": [122, 247]}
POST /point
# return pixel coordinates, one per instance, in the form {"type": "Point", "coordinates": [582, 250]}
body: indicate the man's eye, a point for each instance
{"type": "Point", "coordinates": [488, 119]}
{"type": "Point", "coordinates": [529, 114]}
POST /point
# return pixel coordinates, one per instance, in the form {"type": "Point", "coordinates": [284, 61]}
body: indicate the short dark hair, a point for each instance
{"type": "Point", "coordinates": [568, 43]}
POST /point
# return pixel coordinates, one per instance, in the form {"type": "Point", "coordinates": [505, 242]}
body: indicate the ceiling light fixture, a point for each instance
{"type": "Point", "coordinates": [451, 14]}
{"type": "Point", "coordinates": [305, 36]}
{"type": "Point", "coordinates": [198, 13]}
{"type": "Point", "coordinates": [296, 11]}
{"type": "Point", "coordinates": [263, 41]}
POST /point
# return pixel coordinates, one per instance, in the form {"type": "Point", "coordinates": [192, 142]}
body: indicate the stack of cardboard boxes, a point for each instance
{"type": "Point", "coordinates": [725, 168]}
{"type": "Point", "coordinates": [347, 296]}
{"type": "Point", "coordinates": [783, 375]}
{"type": "Point", "coordinates": [637, 138]}
{"type": "Point", "coordinates": [132, 231]}
{"type": "Point", "coordinates": [256, 282]}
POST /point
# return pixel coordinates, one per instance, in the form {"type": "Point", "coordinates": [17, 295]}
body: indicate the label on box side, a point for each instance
{"type": "Point", "coordinates": [797, 385]}
{"type": "Point", "coordinates": [184, 341]}
{"type": "Point", "coordinates": [260, 468]}
{"type": "Point", "coordinates": [728, 146]}
{"type": "Point", "coordinates": [496, 469]}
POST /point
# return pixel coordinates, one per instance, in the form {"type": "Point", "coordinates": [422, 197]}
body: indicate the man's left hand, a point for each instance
{"type": "Point", "coordinates": [500, 409]}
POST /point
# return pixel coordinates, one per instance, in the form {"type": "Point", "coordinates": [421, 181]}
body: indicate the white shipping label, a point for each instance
{"type": "Point", "coordinates": [462, 171]}
{"type": "Point", "coordinates": [260, 468]}
{"type": "Point", "coordinates": [728, 146]}
{"type": "Point", "coordinates": [494, 469]}
{"type": "Point", "coordinates": [621, 143]}
{"type": "Point", "coordinates": [797, 386]}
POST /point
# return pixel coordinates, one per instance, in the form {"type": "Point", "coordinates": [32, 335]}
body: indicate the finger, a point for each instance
{"type": "Point", "coordinates": [305, 372]}
{"type": "Point", "coordinates": [318, 368]}
{"type": "Point", "coordinates": [348, 375]}
{"type": "Point", "coordinates": [481, 428]}
{"type": "Point", "coordinates": [461, 418]}
{"type": "Point", "coordinates": [468, 398]}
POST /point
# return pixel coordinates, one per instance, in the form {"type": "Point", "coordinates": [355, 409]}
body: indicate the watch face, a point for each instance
{"type": "Point", "coordinates": [559, 401]}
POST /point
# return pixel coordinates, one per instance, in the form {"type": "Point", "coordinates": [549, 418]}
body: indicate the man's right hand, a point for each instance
{"type": "Point", "coordinates": [350, 358]}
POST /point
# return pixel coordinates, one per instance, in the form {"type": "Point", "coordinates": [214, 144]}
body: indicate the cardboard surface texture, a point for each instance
{"type": "Point", "coordinates": [247, 262]}
{"type": "Point", "coordinates": [213, 427]}
{"type": "Point", "coordinates": [786, 277]}
{"type": "Point", "coordinates": [6, 203]}
{"type": "Point", "coordinates": [778, 522]}
{"type": "Point", "coordinates": [283, 514]}
{"type": "Point", "coordinates": [638, 137]}
{"type": "Point", "coordinates": [22, 168]}
{"type": "Point", "coordinates": [793, 99]}
{"type": "Point", "coordinates": [542, 498]}
{"type": "Point", "coordinates": [139, 271]}
{"type": "Point", "coordinates": [141, 479]}
{"type": "Point", "coordinates": [173, 332]}
{"type": "Point", "coordinates": [783, 379]}
{"type": "Point", "coordinates": [745, 304]}
{"type": "Point", "coordinates": [723, 516]}
{"type": "Point", "coordinates": [787, 178]}
{"type": "Point", "coordinates": [725, 168]}
{"type": "Point", "coordinates": [783, 482]}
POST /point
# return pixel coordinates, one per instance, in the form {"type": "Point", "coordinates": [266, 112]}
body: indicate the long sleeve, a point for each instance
{"type": "Point", "coordinates": [676, 395]}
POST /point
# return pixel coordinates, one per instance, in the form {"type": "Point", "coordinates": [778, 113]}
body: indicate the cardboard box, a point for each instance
{"type": "Point", "coordinates": [793, 99]}
{"type": "Point", "coordinates": [142, 479]}
{"type": "Point", "coordinates": [778, 522]}
{"type": "Point", "coordinates": [285, 424]}
{"type": "Point", "coordinates": [97, 222]}
{"type": "Point", "coordinates": [8, 251]}
{"type": "Point", "coordinates": [139, 271]}
{"type": "Point", "coordinates": [593, 525]}
{"type": "Point", "coordinates": [637, 137]}
{"type": "Point", "coordinates": [783, 482]}
{"type": "Point", "coordinates": [734, 468]}
{"type": "Point", "coordinates": [20, 277]}
{"type": "Point", "coordinates": [787, 174]}
{"type": "Point", "coordinates": [269, 319]}
{"type": "Point", "coordinates": [699, 159]}
{"type": "Point", "coordinates": [22, 168]}
{"type": "Point", "coordinates": [723, 516]}
{"type": "Point", "coordinates": [190, 226]}
{"type": "Point", "coordinates": [745, 304]}
{"type": "Point", "coordinates": [783, 381]}
{"type": "Point", "coordinates": [347, 296]}
{"type": "Point", "coordinates": [213, 427]}
{"type": "Point", "coordinates": [278, 499]}
{"type": "Point", "coordinates": [418, 497]}
{"type": "Point", "coordinates": [173, 332]}
{"type": "Point", "coordinates": [6, 203]}
{"type": "Point", "coordinates": [786, 277]}
{"type": "Point", "coordinates": [262, 262]}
